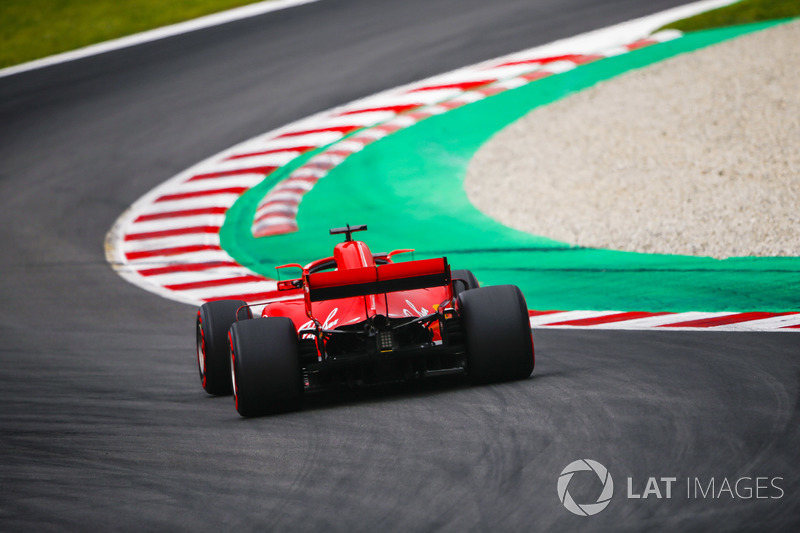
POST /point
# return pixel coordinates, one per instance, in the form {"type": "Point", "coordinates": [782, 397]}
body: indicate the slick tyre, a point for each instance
{"type": "Point", "coordinates": [267, 377]}
{"type": "Point", "coordinates": [497, 334]}
{"type": "Point", "coordinates": [464, 280]}
{"type": "Point", "coordinates": [214, 319]}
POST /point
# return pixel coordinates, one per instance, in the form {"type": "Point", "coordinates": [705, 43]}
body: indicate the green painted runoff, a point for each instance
{"type": "Point", "coordinates": [408, 187]}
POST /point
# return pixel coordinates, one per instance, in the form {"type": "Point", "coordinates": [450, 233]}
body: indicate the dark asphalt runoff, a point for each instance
{"type": "Point", "coordinates": [104, 425]}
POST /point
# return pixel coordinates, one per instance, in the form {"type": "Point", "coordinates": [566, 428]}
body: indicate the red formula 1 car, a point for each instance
{"type": "Point", "coordinates": [359, 318]}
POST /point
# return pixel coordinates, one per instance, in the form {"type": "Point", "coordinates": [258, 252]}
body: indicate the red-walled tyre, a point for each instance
{"type": "Point", "coordinates": [497, 334]}
{"type": "Point", "coordinates": [214, 319]}
{"type": "Point", "coordinates": [267, 377]}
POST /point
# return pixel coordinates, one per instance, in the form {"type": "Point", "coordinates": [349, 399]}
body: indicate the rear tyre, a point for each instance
{"type": "Point", "coordinates": [497, 334]}
{"type": "Point", "coordinates": [214, 319]}
{"type": "Point", "coordinates": [464, 280]}
{"type": "Point", "coordinates": [267, 377]}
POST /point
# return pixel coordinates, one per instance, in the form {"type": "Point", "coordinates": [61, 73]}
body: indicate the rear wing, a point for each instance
{"type": "Point", "coordinates": [378, 279]}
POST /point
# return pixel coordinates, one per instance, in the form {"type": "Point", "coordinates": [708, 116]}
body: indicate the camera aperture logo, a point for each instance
{"type": "Point", "coordinates": [585, 509]}
{"type": "Point", "coordinates": [747, 487]}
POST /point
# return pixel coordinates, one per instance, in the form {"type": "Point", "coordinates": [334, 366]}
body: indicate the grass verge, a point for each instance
{"type": "Point", "coordinates": [32, 29]}
{"type": "Point", "coordinates": [744, 12]}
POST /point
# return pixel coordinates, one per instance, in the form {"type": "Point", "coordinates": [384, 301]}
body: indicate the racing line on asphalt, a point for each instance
{"type": "Point", "coordinates": [104, 424]}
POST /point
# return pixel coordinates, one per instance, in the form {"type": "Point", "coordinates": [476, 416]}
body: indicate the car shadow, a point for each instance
{"type": "Point", "coordinates": [346, 396]}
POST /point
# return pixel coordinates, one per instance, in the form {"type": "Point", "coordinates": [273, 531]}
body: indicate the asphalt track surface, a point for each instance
{"type": "Point", "coordinates": [103, 423]}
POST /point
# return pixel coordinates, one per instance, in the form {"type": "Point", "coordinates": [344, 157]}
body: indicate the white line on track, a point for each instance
{"type": "Point", "coordinates": [200, 23]}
